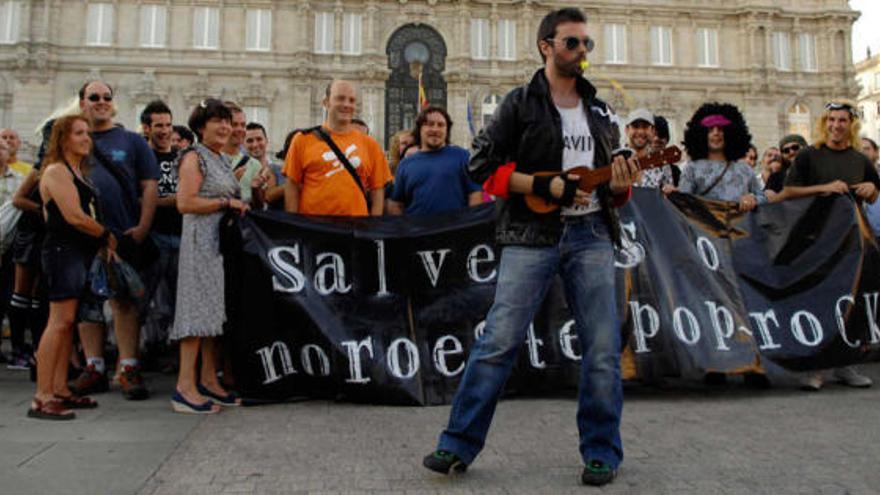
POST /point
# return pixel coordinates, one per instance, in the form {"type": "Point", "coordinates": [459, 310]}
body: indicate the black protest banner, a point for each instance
{"type": "Point", "coordinates": [385, 310]}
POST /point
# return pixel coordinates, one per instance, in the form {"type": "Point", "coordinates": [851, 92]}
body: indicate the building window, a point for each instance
{"type": "Point", "coordinates": [782, 51]}
{"type": "Point", "coordinates": [259, 115]}
{"type": "Point", "coordinates": [506, 39]}
{"type": "Point", "coordinates": [323, 32]}
{"type": "Point", "coordinates": [480, 39]}
{"type": "Point", "coordinates": [807, 44]}
{"type": "Point", "coordinates": [661, 45]}
{"type": "Point", "coordinates": [206, 28]}
{"type": "Point", "coordinates": [876, 86]}
{"type": "Point", "coordinates": [707, 47]}
{"type": "Point", "coordinates": [615, 44]}
{"type": "Point", "coordinates": [351, 34]}
{"type": "Point", "coordinates": [799, 120]}
{"type": "Point", "coordinates": [259, 30]}
{"type": "Point", "coordinates": [100, 24]}
{"type": "Point", "coordinates": [10, 18]}
{"type": "Point", "coordinates": [153, 21]}
{"type": "Point", "coordinates": [487, 110]}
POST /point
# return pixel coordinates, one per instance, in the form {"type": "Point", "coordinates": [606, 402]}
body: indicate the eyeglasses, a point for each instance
{"type": "Point", "coordinates": [794, 148]}
{"type": "Point", "coordinates": [95, 97]}
{"type": "Point", "coordinates": [572, 42]}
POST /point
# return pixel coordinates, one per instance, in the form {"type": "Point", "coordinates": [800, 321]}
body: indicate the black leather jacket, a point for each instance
{"type": "Point", "coordinates": [527, 129]}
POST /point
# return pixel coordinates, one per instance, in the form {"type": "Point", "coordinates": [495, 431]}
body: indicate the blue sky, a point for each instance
{"type": "Point", "coordinates": [865, 31]}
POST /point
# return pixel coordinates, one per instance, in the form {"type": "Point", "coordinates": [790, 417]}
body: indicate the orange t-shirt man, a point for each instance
{"type": "Point", "coordinates": [326, 188]}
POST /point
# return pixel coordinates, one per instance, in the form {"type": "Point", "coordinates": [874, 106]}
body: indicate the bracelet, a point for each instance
{"type": "Point", "coordinates": [224, 204]}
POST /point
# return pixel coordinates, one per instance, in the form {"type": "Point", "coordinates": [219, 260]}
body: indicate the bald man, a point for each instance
{"type": "Point", "coordinates": [13, 142]}
{"type": "Point", "coordinates": [319, 182]}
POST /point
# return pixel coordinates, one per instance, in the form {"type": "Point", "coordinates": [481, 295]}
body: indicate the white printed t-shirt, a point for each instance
{"type": "Point", "coordinates": [578, 151]}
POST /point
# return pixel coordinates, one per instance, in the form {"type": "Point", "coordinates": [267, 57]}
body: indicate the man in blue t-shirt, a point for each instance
{"type": "Point", "coordinates": [434, 180]}
{"type": "Point", "coordinates": [125, 176]}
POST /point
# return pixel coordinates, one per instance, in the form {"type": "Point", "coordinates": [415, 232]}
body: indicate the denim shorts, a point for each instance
{"type": "Point", "coordinates": [65, 271]}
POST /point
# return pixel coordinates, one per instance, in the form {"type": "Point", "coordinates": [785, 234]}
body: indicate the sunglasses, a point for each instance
{"type": "Point", "coordinates": [572, 42]}
{"type": "Point", "coordinates": [95, 97]}
{"type": "Point", "coordinates": [794, 148]}
{"type": "Point", "coordinates": [831, 106]}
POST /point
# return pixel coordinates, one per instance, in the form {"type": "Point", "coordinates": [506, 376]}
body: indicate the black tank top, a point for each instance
{"type": "Point", "coordinates": [58, 231]}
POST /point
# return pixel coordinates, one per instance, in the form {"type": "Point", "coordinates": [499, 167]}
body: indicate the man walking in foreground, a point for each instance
{"type": "Point", "coordinates": [552, 124]}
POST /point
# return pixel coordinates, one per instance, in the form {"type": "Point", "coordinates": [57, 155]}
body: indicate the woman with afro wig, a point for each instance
{"type": "Point", "coordinates": [717, 139]}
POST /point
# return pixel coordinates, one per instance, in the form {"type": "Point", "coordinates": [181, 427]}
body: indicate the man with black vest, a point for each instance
{"type": "Point", "coordinates": [552, 124]}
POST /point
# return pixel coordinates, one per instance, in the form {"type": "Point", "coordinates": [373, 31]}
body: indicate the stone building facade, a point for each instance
{"type": "Point", "coordinates": [868, 75]}
{"type": "Point", "coordinates": [779, 60]}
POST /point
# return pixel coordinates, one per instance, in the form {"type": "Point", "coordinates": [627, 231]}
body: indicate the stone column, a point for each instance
{"type": "Point", "coordinates": [457, 88]}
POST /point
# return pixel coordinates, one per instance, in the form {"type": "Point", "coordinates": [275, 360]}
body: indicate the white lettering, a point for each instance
{"type": "Point", "coordinates": [441, 353]}
{"type": "Point", "coordinates": [722, 323]}
{"type": "Point", "coordinates": [480, 254]}
{"type": "Point", "coordinates": [286, 277]}
{"type": "Point", "coordinates": [380, 257]}
{"type": "Point", "coordinates": [395, 365]}
{"type": "Point", "coordinates": [797, 328]}
{"type": "Point", "coordinates": [478, 330]}
{"type": "Point", "coordinates": [678, 325]}
{"type": "Point", "coordinates": [432, 268]}
{"type": "Point", "coordinates": [762, 320]}
{"type": "Point", "coordinates": [841, 318]}
{"type": "Point", "coordinates": [533, 343]}
{"type": "Point", "coordinates": [330, 277]}
{"type": "Point", "coordinates": [267, 355]}
{"type": "Point", "coordinates": [566, 338]}
{"type": "Point", "coordinates": [323, 360]}
{"type": "Point", "coordinates": [707, 253]}
{"type": "Point", "coordinates": [353, 348]}
{"type": "Point", "coordinates": [871, 308]}
{"type": "Point", "coordinates": [651, 318]}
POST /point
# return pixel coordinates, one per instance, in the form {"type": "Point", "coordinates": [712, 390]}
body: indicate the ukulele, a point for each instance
{"type": "Point", "coordinates": [592, 178]}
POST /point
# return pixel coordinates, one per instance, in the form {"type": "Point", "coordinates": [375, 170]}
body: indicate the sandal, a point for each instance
{"type": "Point", "coordinates": [74, 401]}
{"type": "Point", "coordinates": [52, 409]}
{"type": "Point", "coordinates": [181, 405]}
{"type": "Point", "coordinates": [229, 400]}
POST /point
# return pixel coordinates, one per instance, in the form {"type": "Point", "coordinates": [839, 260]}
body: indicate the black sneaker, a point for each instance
{"type": "Point", "coordinates": [597, 473]}
{"type": "Point", "coordinates": [444, 462]}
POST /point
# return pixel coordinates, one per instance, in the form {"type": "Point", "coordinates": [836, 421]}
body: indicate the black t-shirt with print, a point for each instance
{"type": "Point", "coordinates": [168, 220]}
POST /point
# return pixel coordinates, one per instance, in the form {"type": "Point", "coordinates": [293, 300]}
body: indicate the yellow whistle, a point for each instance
{"type": "Point", "coordinates": [585, 65]}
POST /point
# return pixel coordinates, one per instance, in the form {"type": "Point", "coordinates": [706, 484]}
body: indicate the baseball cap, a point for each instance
{"type": "Point", "coordinates": [640, 114]}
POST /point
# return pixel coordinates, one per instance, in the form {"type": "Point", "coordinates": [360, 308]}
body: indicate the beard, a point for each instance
{"type": "Point", "coordinates": [568, 68]}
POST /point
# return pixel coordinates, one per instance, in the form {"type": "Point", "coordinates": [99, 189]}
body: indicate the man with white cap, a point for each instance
{"type": "Point", "coordinates": [640, 135]}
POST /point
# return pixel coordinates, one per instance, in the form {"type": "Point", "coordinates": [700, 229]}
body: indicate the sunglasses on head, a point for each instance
{"type": "Point", "coordinates": [792, 148]}
{"type": "Point", "coordinates": [572, 42]}
{"type": "Point", "coordinates": [95, 97]}
{"type": "Point", "coordinates": [831, 106]}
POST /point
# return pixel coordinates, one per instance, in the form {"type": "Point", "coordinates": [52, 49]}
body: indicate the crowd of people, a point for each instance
{"type": "Point", "coordinates": [152, 201]}
{"type": "Point", "coordinates": [112, 227]}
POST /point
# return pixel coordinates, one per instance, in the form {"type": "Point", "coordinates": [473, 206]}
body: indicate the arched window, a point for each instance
{"type": "Point", "coordinates": [490, 103]}
{"type": "Point", "coordinates": [799, 120]}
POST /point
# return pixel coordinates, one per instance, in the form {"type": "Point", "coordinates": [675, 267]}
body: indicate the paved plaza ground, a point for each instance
{"type": "Point", "coordinates": [684, 439]}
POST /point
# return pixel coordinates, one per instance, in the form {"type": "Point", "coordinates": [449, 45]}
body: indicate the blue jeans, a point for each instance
{"type": "Point", "coordinates": [584, 257]}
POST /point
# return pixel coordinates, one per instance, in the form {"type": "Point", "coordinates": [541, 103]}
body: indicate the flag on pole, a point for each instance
{"type": "Point", "coordinates": [423, 97]}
